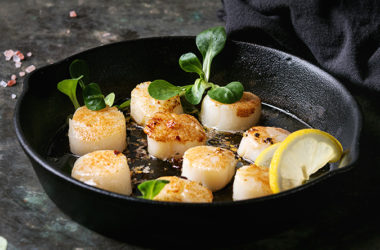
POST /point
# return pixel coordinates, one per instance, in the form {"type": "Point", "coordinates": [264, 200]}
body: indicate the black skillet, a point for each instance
{"type": "Point", "coordinates": [295, 94]}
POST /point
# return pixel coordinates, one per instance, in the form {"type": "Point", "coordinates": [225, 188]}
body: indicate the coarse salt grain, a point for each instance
{"type": "Point", "coordinates": [73, 14]}
{"type": "Point", "coordinates": [20, 55]}
{"type": "Point", "coordinates": [18, 64]}
{"type": "Point", "coordinates": [3, 83]}
{"type": "Point", "coordinates": [21, 73]}
{"type": "Point", "coordinates": [30, 68]}
{"type": "Point", "coordinates": [13, 96]}
{"type": "Point", "coordinates": [13, 77]}
{"type": "Point", "coordinates": [16, 58]}
{"type": "Point", "coordinates": [11, 83]}
{"type": "Point", "coordinates": [29, 54]}
{"type": "Point", "coordinates": [8, 54]}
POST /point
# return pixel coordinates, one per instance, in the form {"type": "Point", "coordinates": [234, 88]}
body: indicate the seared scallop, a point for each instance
{"type": "Point", "coordinates": [143, 106]}
{"type": "Point", "coordinates": [170, 134]}
{"type": "Point", "coordinates": [258, 138]}
{"type": "Point", "coordinates": [211, 166]}
{"type": "Point", "coordinates": [251, 181]}
{"type": "Point", "coordinates": [97, 130]}
{"type": "Point", "coordinates": [182, 190]}
{"type": "Point", "coordinates": [105, 169]}
{"type": "Point", "coordinates": [234, 117]}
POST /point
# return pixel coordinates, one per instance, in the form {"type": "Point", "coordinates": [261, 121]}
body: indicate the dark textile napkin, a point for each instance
{"type": "Point", "coordinates": [342, 37]}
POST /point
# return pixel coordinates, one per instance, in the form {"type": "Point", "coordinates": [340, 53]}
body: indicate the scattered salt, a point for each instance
{"type": "Point", "coordinates": [13, 77]}
{"type": "Point", "coordinates": [21, 73]}
{"type": "Point", "coordinates": [8, 54]}
{"type": "Point", "coordinates": [3, 83]}
{"type": "Point", "coordinates": [73, 14]}
{"type": "Point", "coordinates": [146, 170]}
{"type": "Point", "coordinates": [16, 58]}
{"type": "Point", "coordinates": [29, 54]}
{"type": "Point", "coordinates": [20, 55]}
{"type": "Point", "coordinates": [13, 96]}
{"type": "Point", "coordinates": [18, 64]}
{"type": "Point", "coordinates": [30, 68]}
{"type": "Point", "coordinates": [10, 83]}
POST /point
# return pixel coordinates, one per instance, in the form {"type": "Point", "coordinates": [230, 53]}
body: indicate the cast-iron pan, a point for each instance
{"type": "Point", "coordinates": [295, 94]}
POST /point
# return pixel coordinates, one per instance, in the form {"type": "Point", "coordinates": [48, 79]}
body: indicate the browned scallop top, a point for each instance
{"type": "Point", "coordinates": [209, 157]}
{"type": "Point", "coordinates": [93, 125]}
{"type": "Point", "coordinates": [167, 127]}
{"type": "Point", "coordinates": [246, 106]}
{"type": "Point", "coordinates": [182, 190]}
{"type": "Point", "coordinates": [260, 174]}
{"type": "Point", "coordinates": [269, 135]}
{"type": "Point", "coordinates": [140, 93]}
{"type": "Point", "coordinates": [100, 162]}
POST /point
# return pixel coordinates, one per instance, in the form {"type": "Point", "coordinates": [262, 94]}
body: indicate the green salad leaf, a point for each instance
{"type": "Point", "coordinates": [79, 68]}
{"type": "Point", "coordinates": [228, 94]}
{"type": "Point", "coordinates": [189, 62]}
{"type": "Point", "coordinates": [149, 189]}
{"type": "Point", "coordinates": [210, 43]}
{"type": "Point", "coordinates": [69, 88]}
{"type": "Point", "coordinates": [110, 99]}
{"type": "Point", "coordinates": [93, 97]}
{"type": "Point", "coordinates": [92, 94]}
{"type": "Point", "coordinates": [163, 90]}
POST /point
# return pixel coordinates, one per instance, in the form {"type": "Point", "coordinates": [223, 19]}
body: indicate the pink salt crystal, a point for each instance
{"type": "Point", "coordinates": [73, 14]}
{"type": "Point", "coordinates": [3, 83]}
{"type": "Point", "coordinates": [21, 73]}
{"type": "Point", "coordinates": [11, 83]}
{"type": "Point", "coordinates": [20, 55]}
{"type": "Point", "coordinates": [29, 54]}
{"type": "Point", "coordinates": [13, 77]}
{"type": "Point", "coordinates": [30, 68]}
{"type": "Point", "coordinates": [16, 58]}
{"type": "Point", "coordinates": [8, 54]}
{"type": "Point", "coordinates": [18, 64]}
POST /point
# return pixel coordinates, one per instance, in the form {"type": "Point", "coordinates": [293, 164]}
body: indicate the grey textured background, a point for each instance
{"type": "Point", "coordinates": [29, 220]}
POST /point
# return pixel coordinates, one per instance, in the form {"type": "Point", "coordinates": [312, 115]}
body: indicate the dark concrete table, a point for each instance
{"type": "Point", "coordinates": [29, 220]}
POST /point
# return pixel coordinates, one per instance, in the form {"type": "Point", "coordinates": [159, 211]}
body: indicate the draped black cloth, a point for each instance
{"type": "Point", "coordinates": [342, 37]}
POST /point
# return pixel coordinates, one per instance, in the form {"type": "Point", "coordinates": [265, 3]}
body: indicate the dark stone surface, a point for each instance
{"type": "Point", "coordinates": [29, 220]}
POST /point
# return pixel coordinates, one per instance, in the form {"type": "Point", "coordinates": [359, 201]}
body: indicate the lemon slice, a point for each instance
{"type": "Point", "coordinates": [265, 157]}
{"type": "Point", "coordinates": [300, 155]}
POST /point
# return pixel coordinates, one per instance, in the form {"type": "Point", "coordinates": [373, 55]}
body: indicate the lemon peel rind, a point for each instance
{"type": "Point", "coordinates": [261, 158]}
{"type": "Point", "coordinates": [273, 169]}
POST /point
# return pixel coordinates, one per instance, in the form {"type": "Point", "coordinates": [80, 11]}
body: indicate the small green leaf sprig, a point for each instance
{"type": "Point", "coordinates": [149, 189]}
{"type": "Point", "coordinates": [210, 43]}
{"type": "Point", "coordinates": [92, 94]}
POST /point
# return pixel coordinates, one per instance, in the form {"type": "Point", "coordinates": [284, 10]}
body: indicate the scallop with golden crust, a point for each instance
{"type": "Point", "coordinates": [251, 181]}
{"type": "Point", "coordinates": [105, 169]}
{"type": "Point", "coordinates": [182, 190]}
{"type": "Point", "coordinates": [143, 106]}
{"type": "Point", "coordinates": [214, 167]}
{"type": "Point", "coordinates": [258, 138]}
{"type": "Point", "coordinates": [234, 117]}
{"type": "Point", "coordinates": [97, 130]}
{"type": "Point", "coordinates": [170, 134]}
